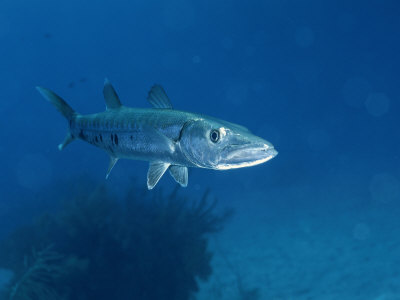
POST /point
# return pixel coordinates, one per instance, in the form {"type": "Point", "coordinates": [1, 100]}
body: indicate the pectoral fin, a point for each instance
{"type": "Point", "coordinates": [155, 172]}
{"type": "Point", "coordinates": [180, 174]}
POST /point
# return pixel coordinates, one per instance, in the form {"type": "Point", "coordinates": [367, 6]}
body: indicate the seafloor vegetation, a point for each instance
{"type": "Point", "coordinates": [101, 247]}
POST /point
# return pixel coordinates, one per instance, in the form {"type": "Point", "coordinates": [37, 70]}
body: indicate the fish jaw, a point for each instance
{"type": "Point", "coordinates": [247, 154]}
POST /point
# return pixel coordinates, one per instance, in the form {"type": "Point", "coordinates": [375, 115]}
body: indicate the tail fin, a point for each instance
{"type": "Point", "coordinates": [58, 102]}
{"type": "Point", "coordinates": [63, 108]}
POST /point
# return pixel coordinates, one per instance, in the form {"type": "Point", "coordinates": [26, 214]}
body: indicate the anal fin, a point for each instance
{"type": "Point", "coordinates": [113, 161]}
{"type": "Point", "coordinates": [68, 139]}
{"type": "Point", "coordinates": [180, 174]}
{"type": "Point", "coordinates": [155, 172]}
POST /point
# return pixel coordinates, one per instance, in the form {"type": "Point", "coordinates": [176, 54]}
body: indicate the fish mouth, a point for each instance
{"type": "Point", "coordinates": [246, 155]}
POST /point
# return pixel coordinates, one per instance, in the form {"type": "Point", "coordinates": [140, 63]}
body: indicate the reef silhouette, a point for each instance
{"type": "Point", "coordinates": [101, 247]}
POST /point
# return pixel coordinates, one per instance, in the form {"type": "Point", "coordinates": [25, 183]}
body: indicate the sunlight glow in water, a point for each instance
{"type": "Point", "coordinates": [318, 140]}
{"type": "Point", "coordinates": [5, 26]}
{"type": "Point", "coordinates": [377, 104]}
{"type": "Point", "coordinates": [227, 43]}
{"type": "Point", "coordinates": [5, 277]}
{"type": "Point", "coordinates": [361, 231]}
{"type": "Point", "coordinates": [355, 91]}
{"type": "Point", "coordinates": [34, 171]}
{"type": "Point", "coordinates": [170, 60]}
{"type": "Point", "coordinates": [346, 22]}
{"type": "Point", "coordinates": [304, 37]}
{"type": "Point", "coordinates": [196, 59]}
{"type": "Point", "coordinates": [179, 14]}
{"type": "Point", "coordinates": [384, 188]}
{"type": "Point", "coordinates": [237, 93]}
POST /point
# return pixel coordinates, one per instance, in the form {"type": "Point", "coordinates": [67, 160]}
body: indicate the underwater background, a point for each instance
{"type": "Point", "coordinates": [318, 79]}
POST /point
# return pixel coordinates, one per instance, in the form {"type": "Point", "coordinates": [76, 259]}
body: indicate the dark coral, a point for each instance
{"type": "Point", "coordinates": [145, 247]}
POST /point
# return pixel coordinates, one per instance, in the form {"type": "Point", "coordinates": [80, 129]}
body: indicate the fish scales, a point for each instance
{"type": "Point", "coordinates": [122, 132]}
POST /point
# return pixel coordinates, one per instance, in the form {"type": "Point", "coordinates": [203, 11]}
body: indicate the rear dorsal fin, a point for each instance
{"type": "Point", "coordinates": [158, 98]}
{"type": "Point", "coordinates": [111, 97]}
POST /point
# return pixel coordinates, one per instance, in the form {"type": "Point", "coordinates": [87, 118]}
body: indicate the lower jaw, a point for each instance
{"type": "Point", "coordinates": [244, 164]}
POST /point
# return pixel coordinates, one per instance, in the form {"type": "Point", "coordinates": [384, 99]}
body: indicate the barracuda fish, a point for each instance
{"type": "Point", "coordinates": [169, 139]}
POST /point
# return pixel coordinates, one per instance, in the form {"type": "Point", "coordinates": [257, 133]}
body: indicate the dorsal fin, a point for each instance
{"type": "Point", "coordinates": [158, 98]}
{"type": "Point", "coordinates": [111, 97]}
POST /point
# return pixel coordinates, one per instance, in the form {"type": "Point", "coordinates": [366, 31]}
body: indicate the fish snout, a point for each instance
{"type": "Point", "coordinates": [247, 154]}
{"type": "Point", "coordinates": [257, 153]}
{"type": "Point", "coordinates": [269, 150]}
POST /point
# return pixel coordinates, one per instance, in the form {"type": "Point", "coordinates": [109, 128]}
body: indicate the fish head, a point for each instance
{"type": "Point", "coordinates": [220, 145]}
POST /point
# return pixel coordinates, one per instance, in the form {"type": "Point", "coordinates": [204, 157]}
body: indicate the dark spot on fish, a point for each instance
{"type": "Point", "coordinates": [131, 138]}
{"type": "Point", "coordinates": [96, 139]}
{"type": "Point", "coordinates": [116, 139]}
{"type": "Point", "coordinates": [71, 84]}
{"type": "Point", "coordinates": [81, 135]}
{"type": "Point", "coordinates": [112, 138]}
{"type": "Point", "coordinates": [101, 138]}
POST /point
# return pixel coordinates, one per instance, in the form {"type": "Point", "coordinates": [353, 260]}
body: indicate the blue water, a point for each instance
{"type": "Point", "coordinates": [318, 79]}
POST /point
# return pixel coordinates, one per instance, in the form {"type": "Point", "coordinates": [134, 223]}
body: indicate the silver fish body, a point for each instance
{"type": "Point", "coordinates": [169, 139]}
{"type": "Point", "coordinates": [134, 133]}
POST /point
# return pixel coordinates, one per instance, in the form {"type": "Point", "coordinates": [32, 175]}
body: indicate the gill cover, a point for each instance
{"type": "Point", "coordinates": [197, 146]}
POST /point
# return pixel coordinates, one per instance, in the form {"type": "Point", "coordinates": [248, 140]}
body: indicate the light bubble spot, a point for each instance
{"type": "Point", "coordinates": [5, 278]}
{"type": "Point", "coordinates": [171, 60]}
{"type": "Point", "coordinates": [269, 132]}
{"type": "Point", "coordinates": [361, 231]}
{"type": "Point", "coordinates": [355, 91]}
{"type": "Point", "coordinates": [377, 104]}
{"type": "Point", "coordinates": [179, 14]}
{"type": "Point", "coordinates": [5, 26]}
{"type": "Point", "coordinates": [227, 43]}
{"type": "Point", "coordinates": [260, 37]}
{"type": "Point", "coordinates": [236, 94]}
{"type": "Point", "coordinates": [346, 22]}
{"type": "Point", "coordinates": [259, 87]}
{"type": "Point", "coordinates": [306, 74]}
{"type": "Point", "coordinates": [318, 140]}
{"type": "Point", "coordinates": [34, 171]}
{"type": "Point", "coordinates": [384, 188]}
{"type": "Point", "coordinates": [304, 37]}
{"type": "Point", "coordinates": [250, 50]}
{"type": "Point", "coordinates": [196, 59]}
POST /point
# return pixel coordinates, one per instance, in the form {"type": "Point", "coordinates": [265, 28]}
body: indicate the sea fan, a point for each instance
{"type": "Point", "coordinates": [42, 268]}
{"type": "Point", "coordinates": [150, 246]}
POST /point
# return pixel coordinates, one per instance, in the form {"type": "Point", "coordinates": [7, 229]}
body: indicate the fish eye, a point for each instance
{"type": "Point", "coordinates": [214, 135]}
